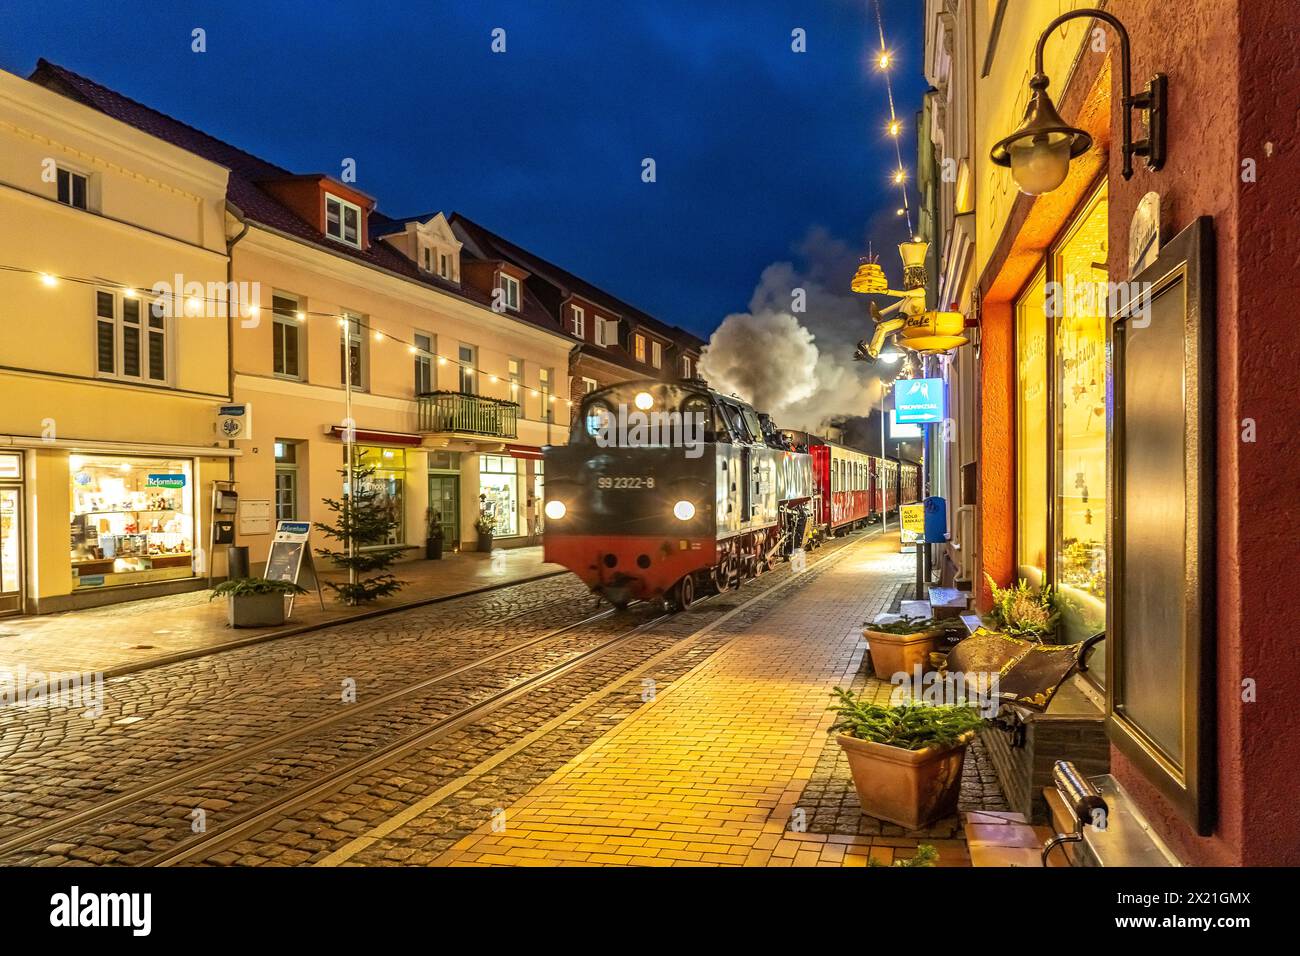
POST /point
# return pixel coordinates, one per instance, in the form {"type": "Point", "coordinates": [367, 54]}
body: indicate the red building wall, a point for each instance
{"type": "Point", "coordinates": [1233, 89]}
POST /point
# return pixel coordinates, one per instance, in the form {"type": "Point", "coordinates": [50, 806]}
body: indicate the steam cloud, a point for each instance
{"type": "Point", "coordinates": [798, 366]}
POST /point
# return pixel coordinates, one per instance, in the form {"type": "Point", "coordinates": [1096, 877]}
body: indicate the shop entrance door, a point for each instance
{"type": "Point", "coordinates": [444, 497]}
{"type": "Point", "coordinates": [11, 549]}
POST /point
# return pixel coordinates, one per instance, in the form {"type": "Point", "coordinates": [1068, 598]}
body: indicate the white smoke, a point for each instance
{"type": "Point", "coordinates": [798, 365]}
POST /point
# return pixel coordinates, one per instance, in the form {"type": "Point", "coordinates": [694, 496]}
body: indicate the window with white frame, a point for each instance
{"type": "Point", "coordinates": [424, 349]}
{"type": "Point", "coordinates": [130, 337]}
{"type": "Point", "coordinates": [656, 355]}
{"type": "Point", "coordinates": [548, 397]}
{"type": "Point", "coordinates": [509, 286]}
{"type": "Point", "coordinates": [639, 350]}
{"type": "Point", "coordinates": [579, 322]}
{"type": "Point", "coordinates": [589, 385]}
{"type": "Point", "coordinates": [342, 220]}
{"type": "Point", "coordinates": [686, 366]}
{"type": "Point", "coordinates": [515, 371]}
{"type": "Point", "coordinates": [286, 335]}
{"type": "Point", "coordinates": [74, 188]}
{"type": "Point", "coordinates": [352, 351]}
{"type": "Point", "coordinates": [428, 259]}
{"type": "Point", "coordinates": [466, 359]}
{"type": "Point", "coordinates": [444, 265]}
{"type": "Point", "coordinates": [606, 332]}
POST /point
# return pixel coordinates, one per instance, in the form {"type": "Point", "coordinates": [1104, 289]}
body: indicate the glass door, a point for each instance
{"type": "Point", "coordinates": [444, 498]}
{"type": "Point", "coordinates": [11, 549]}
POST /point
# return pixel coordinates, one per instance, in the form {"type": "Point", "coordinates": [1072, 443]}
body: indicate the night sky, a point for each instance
{"type": "Point", "coordinates": [754, 144]}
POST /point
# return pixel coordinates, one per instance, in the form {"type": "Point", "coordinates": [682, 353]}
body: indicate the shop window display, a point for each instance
{"type": "Point", "coordinates": [1079, 314]}
{"type": "Point", "coordinates": [499, 493]}
{"type": "Point", "coordinates": [388, 480]}
{"type": "Point", "coordinates": [132, 519]}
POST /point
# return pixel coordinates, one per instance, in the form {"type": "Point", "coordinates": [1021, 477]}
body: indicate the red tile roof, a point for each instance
{"type": "Point", "coordinates": [255, 203]}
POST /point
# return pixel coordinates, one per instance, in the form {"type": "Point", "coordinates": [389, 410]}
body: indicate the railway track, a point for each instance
{"type": "Point", "coordinates": [35, 835]}
{"type": "Point", "coordinates": [268, 812]}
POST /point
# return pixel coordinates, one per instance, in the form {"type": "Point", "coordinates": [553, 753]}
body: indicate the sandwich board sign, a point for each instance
{"type": "Point", "coordinates": [290, 555]}
{"type": "Point", "coordinates": [912, 524]}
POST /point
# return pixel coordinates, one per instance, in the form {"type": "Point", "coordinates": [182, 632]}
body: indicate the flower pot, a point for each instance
{"type": "Point", "coordinates": [256, 610]}
{"type": "Point", "coordinates": [433, 548]}
{"type": "Point", "coordinates": [900, 653]}
{"type": "Point", "coordinates": [484, 543]}
{"type": "Point", "coordinates": [912, 788]}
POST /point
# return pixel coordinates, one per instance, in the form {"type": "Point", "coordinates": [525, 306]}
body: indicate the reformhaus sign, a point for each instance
{"type": "Point", "coordinates": [165, 481]}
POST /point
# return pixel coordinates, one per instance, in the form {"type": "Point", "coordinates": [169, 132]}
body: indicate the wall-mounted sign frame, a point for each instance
{"type": "Point", "coordinates": [1160, 583]}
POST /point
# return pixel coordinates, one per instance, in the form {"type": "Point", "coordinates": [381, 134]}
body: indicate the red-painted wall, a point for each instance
{"type": "Point", "coordinates": [1233, 90]}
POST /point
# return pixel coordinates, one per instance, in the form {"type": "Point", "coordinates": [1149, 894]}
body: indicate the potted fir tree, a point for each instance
{"type": "Point", "coordinates": [485, 525]}
{"type": "Point", "coordinates": [898, 646]}
{"type": "Point", "coordinates": [255, 602]}
{"type": "Point", "coordinates": [906, 759]}
{"type": "Point", "coordinates": [433, 539]}
{"type": "Point", "coordinates": [363, 526]}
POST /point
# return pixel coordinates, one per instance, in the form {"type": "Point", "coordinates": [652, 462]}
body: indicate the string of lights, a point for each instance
{"type": "Point", "coordinates": [194, 305]}
{"type": "Point", "coordinates": [884, 61]}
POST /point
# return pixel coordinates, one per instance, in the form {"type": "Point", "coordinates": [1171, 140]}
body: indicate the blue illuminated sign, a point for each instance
{"type": "Point", "coordinates": [919, 401]}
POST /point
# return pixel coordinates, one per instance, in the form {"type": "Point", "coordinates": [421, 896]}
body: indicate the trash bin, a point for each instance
{"type": "Point", "coordinates": [237, 561]}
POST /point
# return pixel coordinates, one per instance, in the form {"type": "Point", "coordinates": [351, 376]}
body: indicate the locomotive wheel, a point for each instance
{"type": "Point", "coordinates": [684, 593]}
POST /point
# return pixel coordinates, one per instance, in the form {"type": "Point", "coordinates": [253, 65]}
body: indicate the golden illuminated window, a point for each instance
{"type": "Point", "coordinates": [1077, 305]}
{"type": "Point", "coordinates": [1031, 432]}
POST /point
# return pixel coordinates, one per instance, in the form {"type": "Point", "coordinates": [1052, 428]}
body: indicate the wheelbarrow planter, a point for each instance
{"type": "Point", "coordinates": [912, 788]}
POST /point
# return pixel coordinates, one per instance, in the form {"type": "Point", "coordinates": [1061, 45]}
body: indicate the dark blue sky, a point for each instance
{"type": "Point", "coordinates": [754, 144]}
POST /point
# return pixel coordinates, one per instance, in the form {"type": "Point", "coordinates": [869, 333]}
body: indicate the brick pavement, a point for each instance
{"type": "Point", "coordinates": [712, 770]}
{"type": "Point", "coordinates": [118, 638]}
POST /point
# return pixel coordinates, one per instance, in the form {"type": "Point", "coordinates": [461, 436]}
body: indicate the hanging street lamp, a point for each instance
{"type": "Point", "coordinates": [1040, 151]}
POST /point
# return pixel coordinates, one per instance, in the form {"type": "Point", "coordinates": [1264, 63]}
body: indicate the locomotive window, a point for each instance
{"type": "Point", "coordinates": [598, 417]}
{"type": "Point", "coordinates": [699, 409]}
{"type": "Point", "coordinates": [755, 427]}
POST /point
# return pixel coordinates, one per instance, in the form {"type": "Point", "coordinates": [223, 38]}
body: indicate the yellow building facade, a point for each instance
{"type": "Point", "coordinates": [114, 356]}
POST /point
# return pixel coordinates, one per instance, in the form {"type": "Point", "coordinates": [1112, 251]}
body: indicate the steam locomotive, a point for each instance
{"type": "Point", "coordinates": [669, 490]}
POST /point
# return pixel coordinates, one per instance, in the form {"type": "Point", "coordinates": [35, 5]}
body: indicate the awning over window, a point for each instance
{"type": "Point", "coordinates": [524, 451]}
{"type": "Point", "coordinates": [363, 436]}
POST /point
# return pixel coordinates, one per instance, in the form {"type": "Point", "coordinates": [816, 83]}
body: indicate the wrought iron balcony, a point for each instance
{"type": "Point", "coordinates": [467, 414]}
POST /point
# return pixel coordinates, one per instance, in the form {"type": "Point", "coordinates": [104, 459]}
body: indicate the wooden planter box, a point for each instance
{"type": "Point", "coordinates": [900, 653]}
{"type": "Point", "coordinates": [912, 788]}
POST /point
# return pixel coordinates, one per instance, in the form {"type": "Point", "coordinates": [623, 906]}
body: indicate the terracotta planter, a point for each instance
{"type": "Point", "coordinates": [901, 653]}
{"type": "Point", "coordinates": [912, 788]}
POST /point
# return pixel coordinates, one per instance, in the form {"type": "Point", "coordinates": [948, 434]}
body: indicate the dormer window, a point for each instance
{"type": "Point", "coordinates": [639, 347]}
{"type": "Point", "coordinates": [686, 366]}
{"type": "Point", "coordinates": [444, 265]}
{"type": "Point", "coordinates": [579, 322]}
{"type": "Point", "coordinates": [509, 287]}
{"type": "Point", "coordinates": [428, 259]}
{"type": "Point", "coordinates": [342, 220]}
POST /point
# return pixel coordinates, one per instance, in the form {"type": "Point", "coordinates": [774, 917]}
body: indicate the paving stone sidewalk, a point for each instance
{"type": "Point", "coordinates": [120, 637]}
{"type": "Point", "coordinates": [712, 770]}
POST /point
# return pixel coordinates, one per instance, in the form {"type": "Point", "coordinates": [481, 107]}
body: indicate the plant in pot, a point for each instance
{"type": "Point", "coordinates": [433, 537]}
{"type": "Point", "coordinates": [1019, 611]}
{"type": "Point", "coordinates": [255, 602]}
{"type": "Point", "coordinates": [897, 647]}
{"type": "Point", "coordinates": [906, 758]}
{"type": "Point", "coordinates": [485, 525]}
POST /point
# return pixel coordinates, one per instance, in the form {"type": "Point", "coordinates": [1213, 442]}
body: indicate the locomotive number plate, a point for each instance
{"type": "Point", "coordinates": [625, 483]}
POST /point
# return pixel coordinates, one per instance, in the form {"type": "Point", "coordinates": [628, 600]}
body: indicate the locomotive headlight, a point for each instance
{"type": "Point", "coordinates": [644, 401]}
{"type": "Point", "coordinates": [555, 510]}
{"type": "Point", "coordinates": [684, 511]}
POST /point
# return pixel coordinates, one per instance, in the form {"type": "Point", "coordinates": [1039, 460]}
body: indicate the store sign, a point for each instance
{"type": "Point", "coordinates": [1144, 234]}
{"type": "Point", "coordinates": [165, 481]}
{"type": "Point", "coordinates": [919, 401]}
{"type": "Point", "coordinates": [912, 526]}
{"type": "Point", "coordinates": [902, 432]}
{"type": "Point", "coordinates": [235, 421]}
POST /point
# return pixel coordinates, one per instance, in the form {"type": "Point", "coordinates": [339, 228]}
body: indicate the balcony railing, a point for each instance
{"type": "Point", "coordinates": [468, 414]}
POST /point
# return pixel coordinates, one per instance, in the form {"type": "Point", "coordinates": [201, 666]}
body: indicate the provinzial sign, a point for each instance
{"type": "Point", "coordinates": [165, 481]}
{"type": "Point", "coordinates": [919, 401]}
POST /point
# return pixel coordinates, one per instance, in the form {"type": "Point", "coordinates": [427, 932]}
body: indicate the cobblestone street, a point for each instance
{"type": "Point", "coordinates": [524, 724]}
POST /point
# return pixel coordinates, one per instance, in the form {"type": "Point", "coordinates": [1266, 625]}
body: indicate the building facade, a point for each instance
{"type": "Point", "coordinates": [1127, 440]}
{"type": "Point", "coordinates": [455, 376]}
{"type": "Point", "coordinates": [612, 341]}
{"type": "Point", "coordinates": [113, 358]}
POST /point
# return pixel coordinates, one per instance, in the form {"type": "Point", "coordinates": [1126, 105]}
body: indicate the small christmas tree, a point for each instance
{"type": "Point", "coordinates": [362, 529]}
